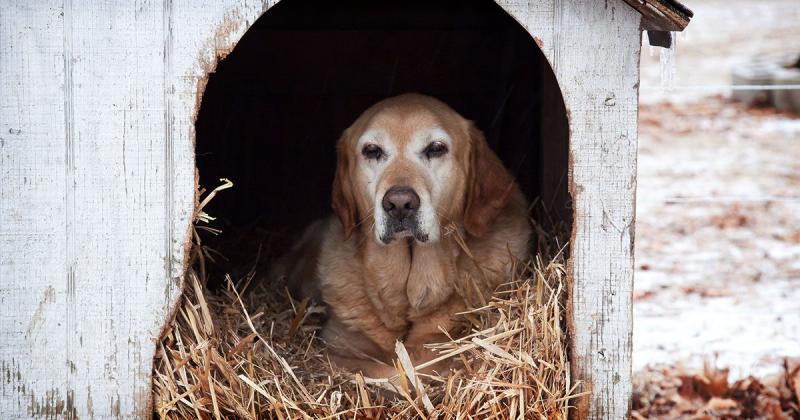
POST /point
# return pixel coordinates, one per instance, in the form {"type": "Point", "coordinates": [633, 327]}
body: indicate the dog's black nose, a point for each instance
{"type": "Point", "coordinates": [400, 202]}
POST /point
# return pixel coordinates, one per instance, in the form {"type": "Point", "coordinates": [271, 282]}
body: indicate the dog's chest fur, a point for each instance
{"type": "Point", "coordinates": [397, 284]}
{"type": "Point", "coordinates": [411, 279]}
{"type": "Point", "coordinates": [378, 294]}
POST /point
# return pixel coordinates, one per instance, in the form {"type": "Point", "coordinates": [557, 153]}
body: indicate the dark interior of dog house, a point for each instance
{"type": "Point", "coordinates": [275, 106]}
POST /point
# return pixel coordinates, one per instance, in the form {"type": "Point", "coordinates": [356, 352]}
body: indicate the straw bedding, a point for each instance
{"type": "Point", "coordinates": [250, 351]}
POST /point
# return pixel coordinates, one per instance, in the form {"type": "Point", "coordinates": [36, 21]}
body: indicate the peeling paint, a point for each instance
{"type": "Point", "coordinates": [52, 405]}
{"type": "Point", "coordinates": [37, 318]}
{"type": "Point", "coordinates": [221, 43]}
{"type": "Point", "coordinates": [115, 406]}
{"type": "Point", "coordinates": [89, 402]}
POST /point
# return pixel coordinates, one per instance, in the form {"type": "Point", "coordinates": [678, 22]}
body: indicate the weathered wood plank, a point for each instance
{"type": "Point", "coordinates": [593, 48]}
{"type": "Point", "coordinates": [115, 203]}
{"type": "Point", "coordinates": [33, 281]}
{"type": "Point", "coordinates": [598, 69]}
{"type": "Point", "coordinates": [96, 112]}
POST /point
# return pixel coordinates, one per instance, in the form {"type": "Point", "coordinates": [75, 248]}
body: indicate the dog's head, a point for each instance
{"type": "Point", "coordinates": [409, 165]}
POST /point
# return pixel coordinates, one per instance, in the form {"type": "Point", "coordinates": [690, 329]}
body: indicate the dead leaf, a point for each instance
{"type": "Point", "coordinates": [722, 404]}
{"type": "Point", "coordinates": [792, 367]}
{"type": "Point", "coordinates": [715, 382]}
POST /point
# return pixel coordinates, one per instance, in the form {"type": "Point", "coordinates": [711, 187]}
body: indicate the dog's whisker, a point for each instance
{"type": "Point", "coordinates": [369, 215]}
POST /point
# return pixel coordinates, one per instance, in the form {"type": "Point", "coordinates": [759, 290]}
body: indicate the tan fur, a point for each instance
{"type": "Point", "coordinates": [407, 290]}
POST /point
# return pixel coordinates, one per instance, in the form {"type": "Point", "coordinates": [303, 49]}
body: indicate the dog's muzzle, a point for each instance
{"type": "Point", "coordinates": [401, 205]}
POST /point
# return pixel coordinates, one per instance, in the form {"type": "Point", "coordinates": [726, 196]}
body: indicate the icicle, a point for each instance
{"type": "Point", "coordinates": [683, 35]}
{"type": "Point", "coordinates": [668, 68]}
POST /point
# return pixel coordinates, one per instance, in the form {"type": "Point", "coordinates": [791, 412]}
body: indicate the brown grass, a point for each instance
{"type": "Point", "coordinates": [249, 351]}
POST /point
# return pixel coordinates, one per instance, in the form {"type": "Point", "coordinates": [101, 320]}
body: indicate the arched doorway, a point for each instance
{"type": "Point", "coordinates": [274, 108]}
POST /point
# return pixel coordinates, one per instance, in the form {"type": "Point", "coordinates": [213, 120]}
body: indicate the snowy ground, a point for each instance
{"type": "Point", "coordinates": [718, 204]}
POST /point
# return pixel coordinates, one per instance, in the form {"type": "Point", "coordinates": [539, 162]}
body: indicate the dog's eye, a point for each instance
{"type": "Point", "coordinates": [435, 149]}
{"type": "Point", "coordinates": [372, 151]}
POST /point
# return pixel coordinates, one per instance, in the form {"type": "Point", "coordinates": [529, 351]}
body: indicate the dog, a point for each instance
{"type": "Point", "coordinates": [425, 214]}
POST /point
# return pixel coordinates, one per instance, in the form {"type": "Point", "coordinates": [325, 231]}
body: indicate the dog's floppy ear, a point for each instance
{"type": "Point", "coordinates": [489, 185]}
{"type": "Point", "coordinates": [342, 196]}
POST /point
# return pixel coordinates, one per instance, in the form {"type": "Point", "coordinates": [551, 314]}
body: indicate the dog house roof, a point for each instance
{"type": "Point", "coordinates": [662, 15]}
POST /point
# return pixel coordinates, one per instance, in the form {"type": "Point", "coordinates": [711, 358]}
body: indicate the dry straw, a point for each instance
{"type": "Point", "coordinates": [251, 352]}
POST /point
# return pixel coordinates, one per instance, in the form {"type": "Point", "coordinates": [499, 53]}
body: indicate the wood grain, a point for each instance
{"type": "Point", "coordinates": [96, 141]}
{"type": "Point", "coordinates": [33, 247]}
{"type": "Point", "coordinates": [594, 48]}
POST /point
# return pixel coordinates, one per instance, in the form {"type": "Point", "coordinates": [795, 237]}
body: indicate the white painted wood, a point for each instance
{"type": "Point", "coordinates": [33, 280]}
{"type": "Point", "coordinates": [97, 163]}
{"type": "Point", "coordinates": [598, 60]}
{"type": "Point", "coordinates": [97, 159]}
{"type": "Point", "coordinates": [594, 49]}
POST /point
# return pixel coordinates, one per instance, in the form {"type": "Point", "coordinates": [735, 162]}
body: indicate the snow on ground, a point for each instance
{"type": "Point", "coordinates": [718, 237]}
{"type": "Point", "coordinates": [718, 203]}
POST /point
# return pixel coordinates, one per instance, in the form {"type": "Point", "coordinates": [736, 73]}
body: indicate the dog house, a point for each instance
{"type": "Point", "coordinates": [99, 174]}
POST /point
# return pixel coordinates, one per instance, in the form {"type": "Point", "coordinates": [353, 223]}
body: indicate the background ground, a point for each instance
{"type": "Point", "coordinates": [718, 204]}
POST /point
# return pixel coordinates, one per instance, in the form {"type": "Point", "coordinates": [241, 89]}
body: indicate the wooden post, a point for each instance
{"type": "Point", "coordinates": [601, 51]}
{"type": "Point", "coordinates": [594, 50]}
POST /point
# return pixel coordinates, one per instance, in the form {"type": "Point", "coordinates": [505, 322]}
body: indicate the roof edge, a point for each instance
{"type": "Point", "coordinates": [662, 15]}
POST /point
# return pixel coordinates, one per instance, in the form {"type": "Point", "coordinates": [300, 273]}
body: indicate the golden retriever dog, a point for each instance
{"type": "Point", "coordinates": [425, 213]}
